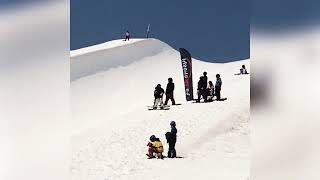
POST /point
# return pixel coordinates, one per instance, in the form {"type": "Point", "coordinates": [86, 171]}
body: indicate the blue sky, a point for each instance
{"type": "Point", "coordinates": [213, 30]}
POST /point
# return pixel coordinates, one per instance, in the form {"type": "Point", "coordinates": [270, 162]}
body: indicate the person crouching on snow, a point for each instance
{"type": "Point", "coordinates": [210, 91]}
{"type": "Point", "coordinates": [243, 70]}
{"type": "Point", "coordinates": [155, 147]}
{"type": "Point", "coordinates": [158, 97]}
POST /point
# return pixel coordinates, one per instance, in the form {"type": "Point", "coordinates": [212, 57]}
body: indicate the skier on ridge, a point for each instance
{"type": "Point", "coordinates": [158, 96]}
{"type": "Point", "coordinates": [127, 36]}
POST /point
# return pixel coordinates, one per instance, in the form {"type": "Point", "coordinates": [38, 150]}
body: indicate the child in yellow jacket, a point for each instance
{"type": "Point", "coordinates": [155, 146]}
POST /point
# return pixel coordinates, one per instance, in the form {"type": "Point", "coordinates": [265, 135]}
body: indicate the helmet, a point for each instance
{"type": "Point", "coordinates": [204, 73]}
{"type": "Point", "coordinates": [159, 85]}
{"type": "Point", "coordinates": [218, 75]}
{"type": "Point", "coordinates": [173, 123]}
{"type": "Point", "coordinates": [152, 137]}
{"type": "Point", "coordinates": [170, 79]}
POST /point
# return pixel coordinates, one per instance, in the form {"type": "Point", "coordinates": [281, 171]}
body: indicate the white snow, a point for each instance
{"type": "Point", "coordinates": [112, 85]}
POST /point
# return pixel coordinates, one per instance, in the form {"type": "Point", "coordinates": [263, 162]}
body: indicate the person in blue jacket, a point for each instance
{"type": "Point", "coordinates": [218, 87]}
{"type": "Point", "coordinates": [172, 139]}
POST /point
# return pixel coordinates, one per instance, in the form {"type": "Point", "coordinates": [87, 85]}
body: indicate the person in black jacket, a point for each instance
{"type": "Point", "coordinates": [201, 88]}
{"type": "Point", "coordinates": [158, 96]}
{"type": "Point", "coordinates": [205, 80]}
{"type": "Point", "coordinates": [172, 139]}
{"type": "Point", "coordinates": [218, 87]}
{"type": "Point", "coordinates": [169, 92]}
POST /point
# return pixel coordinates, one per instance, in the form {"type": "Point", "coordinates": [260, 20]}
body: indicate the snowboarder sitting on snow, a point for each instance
{"type": "Point", "coordinates": [201, 89]}
{"type": "Point", "coordinates": [127, 36]}
{"type": "Point", "coordinates": [210, 92]}
{"type": "Point", "coordinates": [218, 87]}
{"type": "Point", "coordinates": [172, 139]}
{"type": "Point", "coordinates": [243, 70]}
{"type": "Point", "coordinates": [155, 147]}
{"type": "Point", "coordinates": [158, 97]}
{"type": "Point", "coordinates": [169, 92]}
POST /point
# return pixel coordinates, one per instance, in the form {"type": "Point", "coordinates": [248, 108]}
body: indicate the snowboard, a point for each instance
{"type": "Point", "coordinates": [163, 157]}
{"type": "Point", "coordinates": [165, 108]}
{"type": "Point", "coordinates": [155, 157]}
{"type": "Point", "coordinates": [242, 74]}
{"type": "Point", "coordinates": [222, 99]}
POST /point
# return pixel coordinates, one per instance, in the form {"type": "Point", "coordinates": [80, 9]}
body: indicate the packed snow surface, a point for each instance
{"type": "Point", "coordinates": [111, 86]}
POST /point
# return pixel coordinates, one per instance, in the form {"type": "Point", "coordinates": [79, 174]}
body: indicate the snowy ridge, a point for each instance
{"type": "Point", "coordinates": [101, 57]}
{"type": "Point", "coordinates": [112, 124]}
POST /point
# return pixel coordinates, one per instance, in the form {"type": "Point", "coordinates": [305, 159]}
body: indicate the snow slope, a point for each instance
{"type": "Point", "coordinates": [113, 83]}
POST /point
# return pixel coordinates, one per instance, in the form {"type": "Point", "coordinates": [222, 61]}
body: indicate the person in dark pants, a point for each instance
{"type": "Point", "coordinates": [127, 36]}
{"type": "Point", "coordinates": [201, 89]}
{"type": "Point", "coordinates": [205, 80]}
{"type": "Point", "coordinates": [169, 92]}
{"type": "Point", "coordinates": [218, 87]}
{"type": "Point", "coordinates": [243, 70]}
{"type": "Point", "coordinates": [172, 139]}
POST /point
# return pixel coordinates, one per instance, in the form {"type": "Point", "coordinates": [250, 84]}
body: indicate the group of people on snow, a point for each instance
{"type": "Point", "coordinates": [156, 147]}
{"type": "Point", "coordinates": [159, 92]}
{"type": "Point", "coordinates": [207, 90]}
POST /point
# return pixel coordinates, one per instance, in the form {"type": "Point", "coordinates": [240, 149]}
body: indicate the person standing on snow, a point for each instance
{"type": "Point", "coordinates": [127, 36]}
{"type": "Point", "coordinates": [201, 88]}
{"type": "Point", "coordinates": [172, 139]}
{"type": "Point", "coordinates": [205, 80]}
{"type": "Point", "coordinates": [218, 87]}
{"type": "Point", "coordinates": [158, 96]}
{"type": "Point", "coordinates": [169, 92]}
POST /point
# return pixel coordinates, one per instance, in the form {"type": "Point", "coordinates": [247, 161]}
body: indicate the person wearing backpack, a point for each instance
{"type": "Point", "coordinates": [171, 140]}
